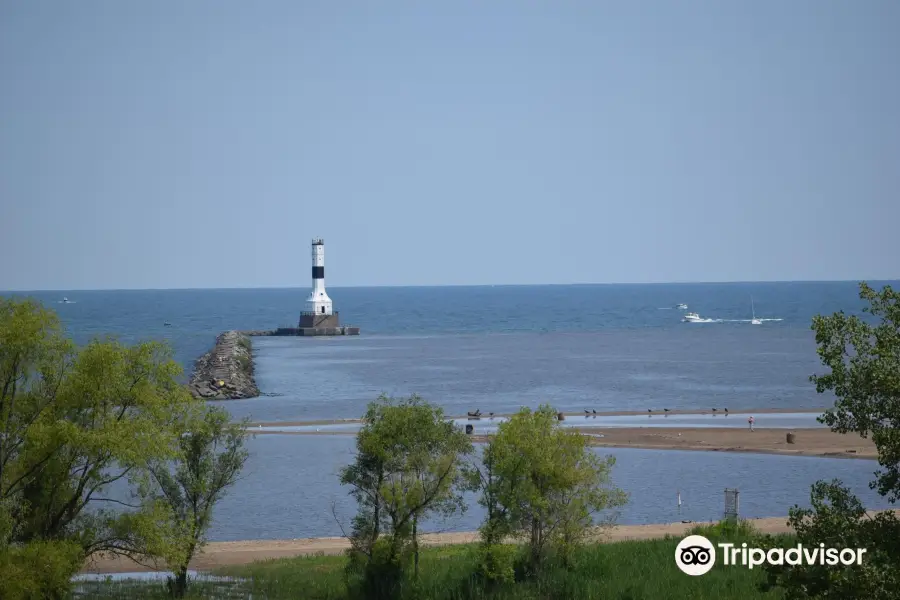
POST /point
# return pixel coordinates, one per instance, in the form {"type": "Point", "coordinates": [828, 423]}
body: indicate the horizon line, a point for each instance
{"type": "Point", "coordinates": [452, 285]}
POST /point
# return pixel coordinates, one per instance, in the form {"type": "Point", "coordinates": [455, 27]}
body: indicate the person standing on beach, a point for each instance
{"type": "Point", "coordinates": [750, 420]}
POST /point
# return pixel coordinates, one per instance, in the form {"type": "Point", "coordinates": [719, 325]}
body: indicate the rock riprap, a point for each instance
{"type": "Point", "coordinates": [226, 371]}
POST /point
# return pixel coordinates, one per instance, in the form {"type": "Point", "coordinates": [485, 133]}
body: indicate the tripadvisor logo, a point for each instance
{"type": "Point", "coordinates": [696, 555]}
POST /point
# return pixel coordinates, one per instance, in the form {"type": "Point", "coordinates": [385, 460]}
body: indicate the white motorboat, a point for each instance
{"type": "Point", "coordinates": [681, 306]}
{"type": "Point", "coordinates": [691, 318]}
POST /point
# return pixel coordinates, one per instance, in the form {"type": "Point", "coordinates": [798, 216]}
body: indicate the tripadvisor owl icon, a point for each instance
{"type": "Point", "coordinates": [695, 555]}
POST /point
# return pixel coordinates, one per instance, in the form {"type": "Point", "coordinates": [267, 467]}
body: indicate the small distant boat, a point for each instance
{"type": "Point", "coordinates": [66, 301]}
{"type": "Point", "coordinates": [167, 324]}
{"type": "Point", "coordinates": [681, 306]}
{"type": "Point", "coordinates": [753, 320]}
{"type": "Point", "coordinates": [691, 318]}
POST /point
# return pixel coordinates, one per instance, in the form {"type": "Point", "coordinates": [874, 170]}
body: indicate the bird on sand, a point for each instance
{"type": "Point", "coordinates": [714, 410]}
{"type": "Point", "coordinates": [650, 410]}
{"type": "Point", "coordinates": [594, 410]}
{"type": "Point", "coordinates": [666, 409]}
{"type": "Point", "coordinates": [587, 412]}
{"type": "Point", "coordinates": [726, 411]}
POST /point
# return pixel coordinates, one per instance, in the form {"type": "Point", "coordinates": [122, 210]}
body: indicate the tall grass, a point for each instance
{"type": "Point", "coordinates": [632, 570]}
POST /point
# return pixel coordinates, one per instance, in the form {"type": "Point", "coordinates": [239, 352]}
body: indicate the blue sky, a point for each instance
{"type": "Point", "coordinates": [158, 144]}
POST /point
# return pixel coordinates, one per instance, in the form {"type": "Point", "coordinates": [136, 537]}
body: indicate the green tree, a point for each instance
{"type": "Point", "coordinates": [862, 355]}
{"type": "Point", "coordinates": [180, 494]}
{"type": "Point", "coordinates": [863, 358]}
{"type": "Point", "coordinates": [408, 465]}
{"type": "Point", "coordinates": [546, 485]}
{"type": "Point", "coordinates": [37, 569]}
{"type": "Point", "coordinates": [74, 421]}
{"type": "Point", "coordinates": [839, 520]}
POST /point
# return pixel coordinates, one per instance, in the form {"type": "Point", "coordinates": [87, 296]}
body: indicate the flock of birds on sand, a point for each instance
{"type": "Point", "coordinates": [476, 414]}
{"type": "Point", "coordinates": [715, 411]}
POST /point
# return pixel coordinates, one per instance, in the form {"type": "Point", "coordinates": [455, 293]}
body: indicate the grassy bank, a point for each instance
{"type": "Point", "coordinates": [633, 570]}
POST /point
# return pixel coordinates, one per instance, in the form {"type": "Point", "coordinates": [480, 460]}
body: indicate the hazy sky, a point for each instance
{"type": "Point", "coordinates": [203, 144]}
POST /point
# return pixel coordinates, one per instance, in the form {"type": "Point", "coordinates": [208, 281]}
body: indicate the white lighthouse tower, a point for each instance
{"type": "Point", "coordinates": [318, 302]}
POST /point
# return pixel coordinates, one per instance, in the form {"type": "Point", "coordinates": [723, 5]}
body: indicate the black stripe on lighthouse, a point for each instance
{"type": "Point", "coordinates": [318, 272]}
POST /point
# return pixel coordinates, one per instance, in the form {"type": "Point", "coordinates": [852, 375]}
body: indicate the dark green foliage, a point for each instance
{"type": "Point", "coordinates": [72, 422]}
{"type": "Point", "coordinates": [862, 356]}
{"type": "Point", "coordinates": [543, 484]}
{"type": "Point", "coordinates": [496, 564]}
{"type": "Point", "coordinates": [38, 570]}
{"type": "Point", "coordinates": [180, 494]}
{"type": "Point", "coordinates": [408, 465]}
{"type": "Point", "coordinates": [725, 530]}
{"type": "Point", "coordinates": [838, 520]}
{"type": "Point", "coordinates": [75, 421]}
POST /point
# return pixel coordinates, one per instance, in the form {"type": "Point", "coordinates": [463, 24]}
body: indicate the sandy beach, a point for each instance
{"type": "Point", "coordinates": [618, 413]}
{"type": "Point", "coordinates": [219, 554]}
{"type": "Point", "coordinates": [819, 442]}
{"type": "Point", "coordinates": [807, 442]}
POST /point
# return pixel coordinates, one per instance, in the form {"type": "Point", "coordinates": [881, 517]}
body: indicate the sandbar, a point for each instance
{"type": "Point", "coordinates": [819, 442]}
{"type": "Point", "coordinates": [616, 413]}
{"type": "Point", "coordinates": [806, 442]}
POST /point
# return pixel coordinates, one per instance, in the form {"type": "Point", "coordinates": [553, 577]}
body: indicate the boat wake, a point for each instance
{"type": "Point", "coordinates": [729, 320]}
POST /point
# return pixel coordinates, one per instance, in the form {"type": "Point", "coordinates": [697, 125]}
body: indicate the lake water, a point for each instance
{"type": "Point", "coordinates": [291, 482]}
{"type": "Point", "coordinates": [602, 347]}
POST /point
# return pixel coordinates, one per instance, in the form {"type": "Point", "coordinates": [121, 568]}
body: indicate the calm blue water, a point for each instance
{"type": "Point", "coordinates": [607, 347]}
{"type": "Point", "coordinates": [291, 482]}
{"type": "Point", "coordinates": [290, 487]}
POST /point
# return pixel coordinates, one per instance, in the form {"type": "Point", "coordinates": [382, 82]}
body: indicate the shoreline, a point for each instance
{"type": "Point", "coordinates": [614, 413]}
{"type": "Point", "coordinates": [807, 442]}
{"type": "Point", "coordinates": [811, 443]}
{"type": "Point", "coordinates": [221, 554]}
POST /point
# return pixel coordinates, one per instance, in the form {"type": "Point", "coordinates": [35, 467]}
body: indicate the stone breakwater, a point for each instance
{"type": "Point", "coordinates": [226, 371]}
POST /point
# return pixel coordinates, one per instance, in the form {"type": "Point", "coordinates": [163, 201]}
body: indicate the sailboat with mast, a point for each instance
{"type": "Point", "coordinates": [753, 320]}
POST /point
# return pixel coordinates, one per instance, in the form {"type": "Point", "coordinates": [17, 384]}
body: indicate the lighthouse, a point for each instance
{"type": "Point", "coordinates": [318, 316]}
{"type": "Point", "coordinates": [318, 302]}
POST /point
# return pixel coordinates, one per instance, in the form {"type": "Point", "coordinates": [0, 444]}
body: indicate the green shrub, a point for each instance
{"type": "Point", "coordinates": [496, 563]}
{"type": "Point", "coordinates": [39, 570]}
{"type": "Point", "coordinates": [381, 575]}
{"type": "Point", "coordinates": [726, 529]}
